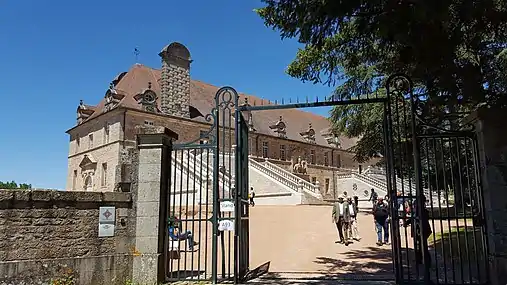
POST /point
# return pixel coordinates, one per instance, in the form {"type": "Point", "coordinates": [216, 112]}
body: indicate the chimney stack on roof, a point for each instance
{"type": "Point", "coordinates": [175, 80]}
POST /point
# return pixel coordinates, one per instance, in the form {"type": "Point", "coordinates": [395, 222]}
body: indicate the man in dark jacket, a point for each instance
{"type": "Point", "coordinates": [373, 197]}
{"type": "Point", "coordinates": [426, 232]}
{"type": "Point", "coordinates": [381, 218]}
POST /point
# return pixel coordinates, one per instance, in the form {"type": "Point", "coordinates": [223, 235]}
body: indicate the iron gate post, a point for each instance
{"type": "Point", "coordinates": [214, 216]}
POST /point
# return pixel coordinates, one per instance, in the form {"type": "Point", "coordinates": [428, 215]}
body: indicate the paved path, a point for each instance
{"type": "Point", "coordinates": [302, 239]}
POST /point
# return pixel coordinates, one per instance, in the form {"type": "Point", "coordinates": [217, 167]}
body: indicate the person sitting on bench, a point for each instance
{"type": "Point", "coordinates": [175, 234]}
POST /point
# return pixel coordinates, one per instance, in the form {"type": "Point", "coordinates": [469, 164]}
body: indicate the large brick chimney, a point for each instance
{"type": "Point", "coordinates": [175, 80]}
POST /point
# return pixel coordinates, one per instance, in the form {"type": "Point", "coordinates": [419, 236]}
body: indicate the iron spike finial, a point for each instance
{"type": "Point", "coordinates": [317, 99]}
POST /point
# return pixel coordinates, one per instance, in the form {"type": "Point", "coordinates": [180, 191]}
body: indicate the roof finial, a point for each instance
{"type": "Point", "coordinates": [136, 53]}
{"type": "Point", "coordinates": [281, 118]}
{"type": "Point", "coordinates": [149, 85]}
{"type": "Point", "coordinates": [81, 102]}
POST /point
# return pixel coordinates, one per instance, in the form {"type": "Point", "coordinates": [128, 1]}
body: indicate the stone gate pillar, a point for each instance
{"type": "Point", "coordinates": [150, 202]}
{"type": "Point", "coordinates": [492, 149]}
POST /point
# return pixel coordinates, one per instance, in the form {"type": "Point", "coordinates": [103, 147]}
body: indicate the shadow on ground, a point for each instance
{"type": "Point", "coordinates": [366, 264]}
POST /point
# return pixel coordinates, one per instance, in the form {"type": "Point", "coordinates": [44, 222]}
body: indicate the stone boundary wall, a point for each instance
{"type": "Point", "coordinates": [48, 236]}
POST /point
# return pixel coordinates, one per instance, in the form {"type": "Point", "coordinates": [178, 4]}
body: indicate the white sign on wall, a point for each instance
{"type": "Point", "coordinates": [226, 225]}
{"type": "Point", "coordinates": [226, 206]}
{"type": "Point", "coordinates": [107, 217]}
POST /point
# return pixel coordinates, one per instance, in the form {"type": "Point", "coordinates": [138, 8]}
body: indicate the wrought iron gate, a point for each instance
{"type": "Point", "coordinates": [433, 171]}
{"type": "Point", "coordinates": [208, 195]}
{"type": "Point", "coordinates": [200, 197]}
{"type": "Point", "coordinates": [242, 244]}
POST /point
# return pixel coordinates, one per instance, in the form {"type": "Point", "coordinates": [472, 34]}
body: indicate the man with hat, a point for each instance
{"type": "Point", "coordinates": [341, 217]}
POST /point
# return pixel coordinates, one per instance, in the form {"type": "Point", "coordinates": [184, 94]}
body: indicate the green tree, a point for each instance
{"type": "Point", "coordinates": [14, 185]}
{"type": "Point", "coordinates": [453, 50]}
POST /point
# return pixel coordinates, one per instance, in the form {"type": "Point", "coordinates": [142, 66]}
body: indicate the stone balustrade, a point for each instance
{"type": "Point", "coordinates": [303, 184]}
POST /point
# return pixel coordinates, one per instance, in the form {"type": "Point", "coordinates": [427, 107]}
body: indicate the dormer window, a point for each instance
{"type": "Point", "coordinates": [84, 112]}
{"type": "Point", "coordinates": [279, 128]}
{"type": "Point", "coordinates": [331, 138]}
{"type": "Point", "coordinates": [112, 98]}
{"type": "Point", "coordinates": [148, 99]}
{"type": "Point", "coordinates": [309, 134]}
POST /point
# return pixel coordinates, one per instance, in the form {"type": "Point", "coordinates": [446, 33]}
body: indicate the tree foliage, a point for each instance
{"type": "Point", "coordinates": [453, 50]}
{"type": "Point", "coordinates": [14, 185]}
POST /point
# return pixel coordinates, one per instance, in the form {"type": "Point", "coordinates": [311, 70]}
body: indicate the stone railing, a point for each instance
{"type": "Point", "coordinates": [303, 184]}
{"type": "Point", "coordinates": [197, 169]}
{"type": "Point", "coordinates": [278, 176]}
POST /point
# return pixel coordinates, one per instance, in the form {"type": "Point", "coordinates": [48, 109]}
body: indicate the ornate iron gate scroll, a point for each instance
{"type": "Point", "coordinates": [435, 170]}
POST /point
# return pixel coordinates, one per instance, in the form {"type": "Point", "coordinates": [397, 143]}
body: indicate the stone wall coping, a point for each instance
{"type": "Point", "coordinates": [13, 196]}
{"type": "Point", "coordinates": [154, 136]}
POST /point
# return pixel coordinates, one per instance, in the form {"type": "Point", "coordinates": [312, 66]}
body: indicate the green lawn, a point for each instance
{"type": "Point", "coordinates": [466, 241]}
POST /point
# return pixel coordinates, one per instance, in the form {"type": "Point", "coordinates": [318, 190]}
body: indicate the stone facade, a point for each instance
{"type": "Point", "coordinates": [48, 235]}
{"type": "Point", "coordinates": [175, 80]}
{"type": "Point", "coordinates": [94, 152]}
{"type": "Point", "coordinates": [107, 130]}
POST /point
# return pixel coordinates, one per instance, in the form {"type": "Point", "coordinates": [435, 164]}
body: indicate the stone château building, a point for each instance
{"type": "Point", "coordinates": [169, 97]}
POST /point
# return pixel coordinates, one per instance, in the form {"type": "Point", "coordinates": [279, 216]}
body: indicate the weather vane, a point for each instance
{"type": "Point", "coordinates": [136, 53]}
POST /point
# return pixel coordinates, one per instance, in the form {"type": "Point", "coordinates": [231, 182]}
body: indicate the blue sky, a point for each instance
{"type": "Point", "coordinates": [54, 53]}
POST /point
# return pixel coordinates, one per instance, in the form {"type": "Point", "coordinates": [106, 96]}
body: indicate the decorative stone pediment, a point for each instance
{"type": "Point", "coordinates": [279, 127]}
{"type": "Point", "coordinates": [331, 137]}
{"type": "Point", "coordinates": [112, 98]}
{"type": "Point", "coordinates": [148, 99]}
{"type": "Point", "coordinates": [84, 112]}
{"type": "Point", "coordinates": [309, 134]}
{"type": "Point", "coordinates": [87, 162]}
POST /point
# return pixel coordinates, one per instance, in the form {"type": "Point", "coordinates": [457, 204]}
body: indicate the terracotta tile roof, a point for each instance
{"type": "Point", "coordinates": [202, 98]}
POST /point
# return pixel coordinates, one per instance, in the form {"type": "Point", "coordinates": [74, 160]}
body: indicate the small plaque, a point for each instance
{"type": "Point", "coordinates": [226, 206]}
{"type": "Point", "coordinates": [226, 225]}
{"type": "Point", "coordinates": [107, 215]}
{"type": "Point", "coordinates": [106, 230]}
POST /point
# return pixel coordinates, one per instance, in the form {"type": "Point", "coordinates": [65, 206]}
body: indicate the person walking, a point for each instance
{"type": "Point", "coordinates": [373, 197]}
{"type": "Point", "coordinates": [381, 219]}
{"type": "Point", "coordinates": [353, 210]}
{"type": "Point", "coordinates": [423, 228]}
{"type": "Point", "coordinates": [251, 196]}
{"type": "Point", "coordinates": [341, 217]}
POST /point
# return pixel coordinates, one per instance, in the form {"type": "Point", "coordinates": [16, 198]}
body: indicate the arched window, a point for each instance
{"type": "Point", "coordinates": [88, 183]}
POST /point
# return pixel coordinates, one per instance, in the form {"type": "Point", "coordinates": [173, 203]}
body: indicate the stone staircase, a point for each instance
{"type": "Point", "coordinates": [275, 186]}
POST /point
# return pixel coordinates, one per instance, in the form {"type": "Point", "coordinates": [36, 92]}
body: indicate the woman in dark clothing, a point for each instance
{"type": "Point", "coordinates": [426, 232]}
